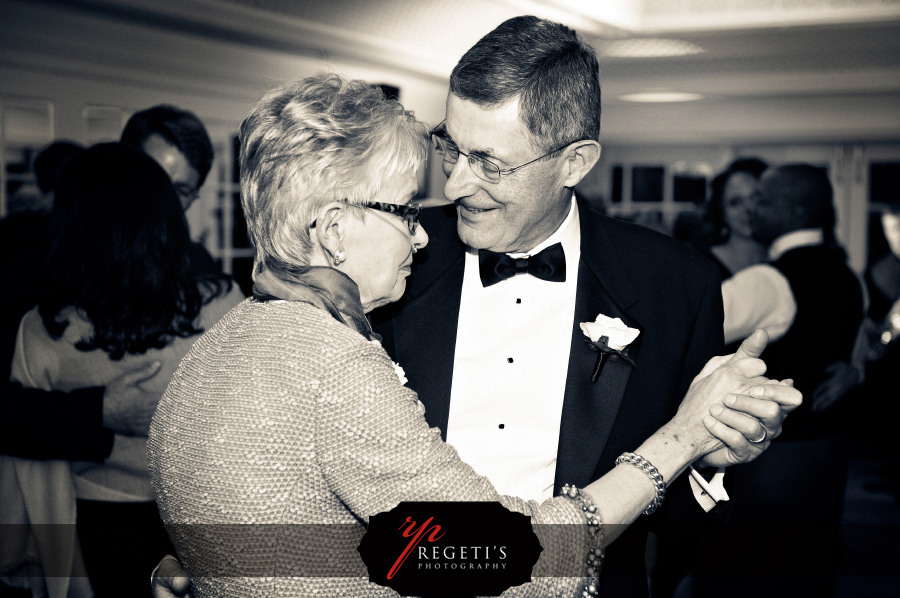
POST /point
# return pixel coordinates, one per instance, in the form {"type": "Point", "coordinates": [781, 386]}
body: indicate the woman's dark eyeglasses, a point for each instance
{"type": "Point", "coordinates": [483, 167]}
{"type": "Point", "coordinates": [409, 212]}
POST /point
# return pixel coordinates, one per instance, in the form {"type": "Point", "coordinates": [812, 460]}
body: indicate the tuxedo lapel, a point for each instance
{"type": "Point", "coordinates": [590, 408]}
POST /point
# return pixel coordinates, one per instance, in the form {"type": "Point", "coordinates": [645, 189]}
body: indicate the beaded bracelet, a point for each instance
{"type": "Point", "coordinates": [654, 475]}
{"type": "Point", "coordinates": [592, 515]}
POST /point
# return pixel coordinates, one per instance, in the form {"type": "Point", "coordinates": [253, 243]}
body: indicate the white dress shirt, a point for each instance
{"type": "Point", "coordinates": [509, 372]}
{"type": "Point", "coordinates": [760, 296]}
{"type": "Point", "coordinates": [509, 375]}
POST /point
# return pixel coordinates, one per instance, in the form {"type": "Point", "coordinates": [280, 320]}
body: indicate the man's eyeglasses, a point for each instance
{"type": "Point", "coordinates": [483, 167]}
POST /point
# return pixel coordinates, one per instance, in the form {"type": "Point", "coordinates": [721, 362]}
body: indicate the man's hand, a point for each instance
{"type": "Point", "coordinates": [128, 408]}
{"type": "Point", "coordinates": [746, 422]}
{"type": "Point", "coordinates": [720, 377]}
{"type": "Point", "coordinates": [170, 580]}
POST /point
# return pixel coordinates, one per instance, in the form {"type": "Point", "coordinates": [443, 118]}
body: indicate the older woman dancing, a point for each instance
{"type": "Point", "coordinates": [290, 412]}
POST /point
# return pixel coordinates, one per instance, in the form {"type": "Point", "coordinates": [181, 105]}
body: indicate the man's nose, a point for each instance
{"type": "Point", "coordinates": [461, 179]}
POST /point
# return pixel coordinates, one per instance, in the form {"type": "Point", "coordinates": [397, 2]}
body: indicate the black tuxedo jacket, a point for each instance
{"type": "Point", "coordinates": [653, 283]}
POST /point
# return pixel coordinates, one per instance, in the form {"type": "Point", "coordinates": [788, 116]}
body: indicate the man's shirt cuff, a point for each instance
{"type": "Point", "coordinates": [708, 493]}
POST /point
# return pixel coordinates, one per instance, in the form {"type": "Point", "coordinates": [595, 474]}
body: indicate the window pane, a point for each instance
{"type": "Point", "coordinates": [689, 188]}
{"type": "Point", "coordinates": [616, 184]}
{"type": "Point", "coordinates": [647, 183]}
{"type": "Point", "coordinates": [27, 121]}
{"type": "Point", "coordinates": [103, 123]}
{"type": "Point", "coordinates": [884, 183]}
{"type": "Point", "coordinates": [240, 237]}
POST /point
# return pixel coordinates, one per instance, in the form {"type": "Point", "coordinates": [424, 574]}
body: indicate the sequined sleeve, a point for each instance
{"type": "Point", "coordinates": [376, 449]}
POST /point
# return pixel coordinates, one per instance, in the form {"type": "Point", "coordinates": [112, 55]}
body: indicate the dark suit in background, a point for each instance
{"type": "Point", "coordinates": [794, 491]}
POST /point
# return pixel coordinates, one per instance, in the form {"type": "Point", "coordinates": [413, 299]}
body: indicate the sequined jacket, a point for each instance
{"type": "Point", "coordinates": [284, 419]}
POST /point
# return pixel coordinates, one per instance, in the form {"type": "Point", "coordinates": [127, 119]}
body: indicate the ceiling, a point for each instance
{"type": "Point", "coordinates": [748, 47]}
{"type": "Point", "coordinates": [749, 50]}
{"type": "Point", "coordinates": [817, 44]}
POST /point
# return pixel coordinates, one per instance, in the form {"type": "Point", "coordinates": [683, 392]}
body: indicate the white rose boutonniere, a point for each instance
{"type": "Point", "coordinates": [608, 336]}
{"type": "Point", "coordinates": [401, 375]}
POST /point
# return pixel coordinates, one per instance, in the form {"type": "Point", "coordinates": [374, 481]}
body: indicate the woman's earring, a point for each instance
{"type": "Point", "coordinates": [339, 256]}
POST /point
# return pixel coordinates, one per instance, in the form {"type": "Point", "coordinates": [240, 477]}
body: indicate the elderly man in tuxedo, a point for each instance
{"type": "Point", "coordinates": [489, 331]}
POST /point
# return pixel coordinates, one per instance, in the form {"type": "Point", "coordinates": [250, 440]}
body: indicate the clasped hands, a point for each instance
{"type": "Point", "coordinates": [731, 411]}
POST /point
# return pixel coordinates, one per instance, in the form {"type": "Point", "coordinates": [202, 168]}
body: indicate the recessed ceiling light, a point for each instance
{"type": "Point", "coordinates": [649, 47]}
{"type": "Point", "coordinates": [661, 96]}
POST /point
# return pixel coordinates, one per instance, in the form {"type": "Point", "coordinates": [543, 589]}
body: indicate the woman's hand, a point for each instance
{"type": "Point", "coordinates": [721, 376]}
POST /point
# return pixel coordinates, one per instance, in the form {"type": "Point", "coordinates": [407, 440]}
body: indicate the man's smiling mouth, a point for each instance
{"type": "Point", "coordinates": [475, 210]}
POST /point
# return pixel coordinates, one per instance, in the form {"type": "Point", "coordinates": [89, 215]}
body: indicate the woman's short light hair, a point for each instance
{"type": "Point", "coordinates": [311, 142]}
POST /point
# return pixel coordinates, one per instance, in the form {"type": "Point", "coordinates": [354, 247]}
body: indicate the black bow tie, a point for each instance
{"type": "Point", "coordinates": [549, 264]}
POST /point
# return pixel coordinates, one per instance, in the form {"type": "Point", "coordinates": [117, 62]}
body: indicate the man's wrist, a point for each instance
{"type": "Point", "coordinates": [708, 492]}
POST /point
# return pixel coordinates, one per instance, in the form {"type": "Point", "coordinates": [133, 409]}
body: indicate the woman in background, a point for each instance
{"type": "Point", "coordinates": [732, 246]}
{"type": "Point", "coordinates": [120, 290]}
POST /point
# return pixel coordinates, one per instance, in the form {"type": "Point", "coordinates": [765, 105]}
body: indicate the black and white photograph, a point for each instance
{"type": "Point", "coordinates": [531, 298]}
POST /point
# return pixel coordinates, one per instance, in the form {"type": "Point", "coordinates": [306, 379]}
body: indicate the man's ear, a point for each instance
{"type": "Point", "coordinates": [332, 223]}
{"type": "Point", "coordinates": [580, 158]}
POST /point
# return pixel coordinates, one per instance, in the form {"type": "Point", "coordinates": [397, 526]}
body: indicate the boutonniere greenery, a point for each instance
{"type": "Point", "coordinates": [608, 336]}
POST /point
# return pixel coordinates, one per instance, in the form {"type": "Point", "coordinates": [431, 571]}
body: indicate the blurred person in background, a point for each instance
{"type": "Point", "coordinates": [870, 381]}
{"type": "Point", "coordinates": [179, 142]}
{"type": "Point", "coordinates": [120, 291]}
{"type": "Point", "coordinates": [795, 491]}
{"type": "Point", "coordinates": [83, 422]}
{"type": "Point", "coordinates": [81, 425]}
{"type": "Point", "coordinates": [732, 245]}
{"type": "Point", "coordinates": [23, 245]}
{"type": "Point", "coordinates": [721, 231]}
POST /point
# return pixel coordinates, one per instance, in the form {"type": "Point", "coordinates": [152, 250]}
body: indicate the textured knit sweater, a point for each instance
{"type": "Point", "coordinates": [281, 416]}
